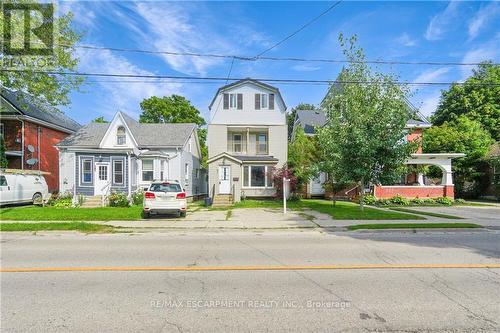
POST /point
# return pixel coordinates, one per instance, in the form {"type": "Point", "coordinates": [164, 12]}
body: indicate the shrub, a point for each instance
{"type": "Point", "coordinates": [384, 202]}
{"type": "Point", "coordinates": [61, 200]}
{"type": "Point", "coordinates": [399, 200]}
{"type": "Point", "coordinates": [369, 199]}
{"type": "Point", "coordinates": [459, 201]}
{"type": "Point", "coordinates": [138, 197]}
{"type": "Point", "coordinates": [443, 201]}
{"type": "Point", "coordinates": [118, 199]}
{"type": "Point", "coordinates": [278, 176]}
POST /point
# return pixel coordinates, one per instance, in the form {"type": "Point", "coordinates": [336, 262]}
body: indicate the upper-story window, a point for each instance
{"type": "Point", "coordinates": [233, 101]}
{"type": "Point", "coordinates": [121, 137]}
{"type": "Point", "coordinates": [262, 143]}
{"type": "Point", "coordinates": [264, 101]}
{"type": "Point", "coordinates": [237, 143]}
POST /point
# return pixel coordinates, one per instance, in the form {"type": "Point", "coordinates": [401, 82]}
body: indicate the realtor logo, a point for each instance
{"type": "Point", "coordinates": [28, 29]}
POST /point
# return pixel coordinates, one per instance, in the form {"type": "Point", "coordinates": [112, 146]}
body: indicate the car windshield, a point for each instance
{"type": "Point", "coordinates": [165, 187]}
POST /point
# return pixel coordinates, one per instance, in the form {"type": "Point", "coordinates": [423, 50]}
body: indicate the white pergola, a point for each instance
{"type": "Point", "coordinates": [441, 160]}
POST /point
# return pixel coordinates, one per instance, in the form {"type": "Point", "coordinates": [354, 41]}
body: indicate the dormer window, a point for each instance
{"type": "Point", "coordinates": [121, 137]}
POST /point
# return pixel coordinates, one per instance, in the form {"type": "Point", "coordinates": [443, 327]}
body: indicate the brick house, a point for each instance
{"type": "Point", "coordinates": [31, 131]}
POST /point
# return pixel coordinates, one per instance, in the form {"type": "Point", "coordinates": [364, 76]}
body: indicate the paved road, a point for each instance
{"type": "Point", "coordinates": [384, 299]}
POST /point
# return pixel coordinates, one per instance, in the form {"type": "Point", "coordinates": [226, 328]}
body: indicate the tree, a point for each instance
{"type": "Point", "coordinates": [3, 159]}
{"type": "Point", "coordinates": [169, 109]}
{"type": "Point", "coordinates": [100, 120]}
{"type": "Point", "coordinates": [475, 99]}
{"type": "Point", "coordinates": [303, 157]}
{"type": "Point", "coordinates": [461, 135]}
{"type": "Point", "coordinates": [174, 109]}
{"type": "Point", "coordinates": [28, 74]}
{"type": "Point", "coordinates": [290, 117]}
{"type": "Point", "coordinates": [364, 138]}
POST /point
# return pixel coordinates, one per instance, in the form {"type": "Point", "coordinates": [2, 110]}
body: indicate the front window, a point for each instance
{"type": "Point", "coordinates": [87, 171]}
{"type": "Point", "coordinates": [121, 138]}
{"type": "Point", "coordinates": [147, 170]}
{"type": "Point", "coordinates": [233, 100]}
{"type": "Point", "coordinates": [118, 172]}
{"type": "Point", "coordinates": [186, 171]}
{"type": "Point", "coordinates": [262, 144]}
{"type": "Point", "coordinates": [257, 176]}
{"type": "Point", "coordinates": [162, 169]}
{"type": "Point", "coordinates": [264, 101]}
{"type": "Point", "coordinates": [237, 145]}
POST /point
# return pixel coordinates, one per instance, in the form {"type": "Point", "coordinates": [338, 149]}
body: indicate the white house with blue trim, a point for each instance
{"type": "Point", "coordinates": [125, 155]}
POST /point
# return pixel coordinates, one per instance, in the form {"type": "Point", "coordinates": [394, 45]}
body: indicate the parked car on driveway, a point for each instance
{"type": "Point", "coordinates": [165, 197]}
{"type": "Point", "coordinates": [19, 187]}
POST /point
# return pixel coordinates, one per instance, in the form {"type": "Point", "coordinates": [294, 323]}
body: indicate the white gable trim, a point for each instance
{"type": "Point", "coordinates": [124, 123]}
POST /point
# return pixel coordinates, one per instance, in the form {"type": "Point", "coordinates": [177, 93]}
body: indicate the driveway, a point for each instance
{"type": "Point", "coordinates": [484, 215]}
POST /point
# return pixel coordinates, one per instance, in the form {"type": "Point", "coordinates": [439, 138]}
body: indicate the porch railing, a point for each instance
{"type": "Point", "coordinates": [105, 192]}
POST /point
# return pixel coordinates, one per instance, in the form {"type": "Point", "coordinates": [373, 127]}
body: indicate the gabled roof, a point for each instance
{"type": "Point", "coordinates": [246, 80]}
{"type": "Point", "coordinates": [26, 105]}
{"type": "Point", "coordinates": [146, 135]}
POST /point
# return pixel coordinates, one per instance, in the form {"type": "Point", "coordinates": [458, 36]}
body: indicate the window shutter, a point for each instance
{"type": "Point", "coordinates": [226, 101]}
{"type": "Point", "coordinates": [271, 101]}
{"type": "Point", "coordinates": [257, 101]}
{"type": "Point", "coordinates": [240, 102]}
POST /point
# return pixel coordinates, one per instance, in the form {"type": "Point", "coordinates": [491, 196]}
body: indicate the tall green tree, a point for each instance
{"type": "Point", "coordinates": [290, 117]}
{"type": "Point", "coordinates": [364, 138]}
{"type": "Point", "coordinates": [462, 135]}
{"type": "Point", "coordinates": [28, 75]}
{"type": "Point", "coordinates": [100, 120]}
{"type": "Point", "coordinates": [477, 99]}
{"type": "Point", "coordinates": [3, 157]}
{"type": "Point", "coordinates": [303, 157]}
{"type": "Point", "coordinates": [174, 109]}
{"type": "Point", "coordinates": [169, 109]}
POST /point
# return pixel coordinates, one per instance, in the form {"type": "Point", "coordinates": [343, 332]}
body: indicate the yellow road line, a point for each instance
{"type": "Point", "coordinates": [240, 268]}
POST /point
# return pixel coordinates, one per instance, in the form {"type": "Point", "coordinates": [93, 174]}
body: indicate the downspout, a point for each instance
{"type": "Point", "coordinates": [129, 161]}
{"type": "Point", "coordinates": [39, 131]}
{"type": "Point", "coordinates": [22, 143]}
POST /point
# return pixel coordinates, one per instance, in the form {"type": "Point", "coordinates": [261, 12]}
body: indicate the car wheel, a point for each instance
{"type": "Point", "coordinates": [183, 214]}
{"type": "Point", "coordinates": [37, 199]}
{"type": "Point", "coordinates": [146, 215]}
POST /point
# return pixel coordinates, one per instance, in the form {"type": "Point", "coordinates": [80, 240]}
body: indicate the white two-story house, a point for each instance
{"type": "Point", "coordinates": [247, 140]}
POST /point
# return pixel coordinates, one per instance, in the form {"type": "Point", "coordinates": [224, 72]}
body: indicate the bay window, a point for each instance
{"type": "Point", "coordinates": [147, 170]}
{"type": "Point", "coordinates": [257, 176]}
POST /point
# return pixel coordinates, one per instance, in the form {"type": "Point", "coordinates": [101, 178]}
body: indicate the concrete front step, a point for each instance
{"type": "Point", "coordinates": [92, 202]}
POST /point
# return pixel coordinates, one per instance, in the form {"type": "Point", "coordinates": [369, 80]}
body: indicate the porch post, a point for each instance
{"type": "Point", "coordinates": [420, 179]}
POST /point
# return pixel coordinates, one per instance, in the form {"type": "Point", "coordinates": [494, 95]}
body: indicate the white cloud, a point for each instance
{"type": "Point", "coordinates": [122, 95]}
{"type": "Point", "coordinates": [432, 75]}
{"type": "Point", "coordinates": [406, 40]}
{"type": "Point", "coordinates": [482, 17]}
{"type": "Point", "coordinates": [430, 103]}
{"type": "Point", "coordinates": [441, 22]}
{"type": "Point", "coordinates": [305, 68]}
{"type": "Point", "coordinates": [484, 52]}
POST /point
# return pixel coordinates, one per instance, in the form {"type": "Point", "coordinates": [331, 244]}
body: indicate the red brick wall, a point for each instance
{"type": "Point", "coordinates": [12, 134]}
{"type": "Point", "coordinates": [49, 155]}
{"type": "Point", "coordinates": [384, 192]}
{"type": "Point", "coordinates": [416, 134]}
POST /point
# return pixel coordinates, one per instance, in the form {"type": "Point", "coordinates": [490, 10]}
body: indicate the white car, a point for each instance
{"type": "Point", "coordinates": [18, 188]}
{"type": "Point", "coordinates": [165, 197]}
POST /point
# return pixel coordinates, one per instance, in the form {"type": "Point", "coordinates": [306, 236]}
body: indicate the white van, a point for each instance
{"type": "Point", "coordinates": [20, 187]}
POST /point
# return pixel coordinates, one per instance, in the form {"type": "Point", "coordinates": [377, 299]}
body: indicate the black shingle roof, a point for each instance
{"type": "Point", "coordinates": [26, 105]}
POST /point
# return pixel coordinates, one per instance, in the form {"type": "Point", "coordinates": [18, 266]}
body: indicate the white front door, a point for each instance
{"type": "Point", "coordinates": [317, 185]}
{"type": "Point", "coordinates": [224, 180]}
{"type": "Point", "coordinates": [101, 178]}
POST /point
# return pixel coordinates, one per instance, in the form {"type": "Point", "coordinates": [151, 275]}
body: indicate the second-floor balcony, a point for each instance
{"type": "Point", "coordinates": [247, 141]}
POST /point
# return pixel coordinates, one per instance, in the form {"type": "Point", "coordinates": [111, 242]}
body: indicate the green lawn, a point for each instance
{"type": "Point", "coordinates": [341, 211]}
{"type": "Point", "coordinates": [413, 226]}
{"type": "Point", "coordinates": [79, 226]}
{"type": "Point", "coordinates": [414, 211]}
{"type": "Point", "coordinates": [35, 213]}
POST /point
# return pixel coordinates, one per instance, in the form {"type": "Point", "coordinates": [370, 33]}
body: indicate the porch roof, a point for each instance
{"type": "Point", "coordinates": [245, 158]}
{"type": "Point", "coordinates": [437, 156]}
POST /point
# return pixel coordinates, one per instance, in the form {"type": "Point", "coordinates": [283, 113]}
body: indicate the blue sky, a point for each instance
{"type": "Point", "coordinates": [404, 31]}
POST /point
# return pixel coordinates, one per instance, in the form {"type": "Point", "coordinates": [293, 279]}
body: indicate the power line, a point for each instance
{"type": "Point", "coordinates": [300, 29]}
{"type": "Point", "coordinates": [215, 78]}
{"type": "Point", "coordinates": [249, 58]}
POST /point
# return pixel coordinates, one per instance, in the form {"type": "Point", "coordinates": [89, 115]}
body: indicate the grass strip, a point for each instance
{"type": "Point", "coordinates": [414, 211]}
{"type": "Point", "coordinates": [414, 226]}
{"type": "Point", "coordinates": [78, 226]}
